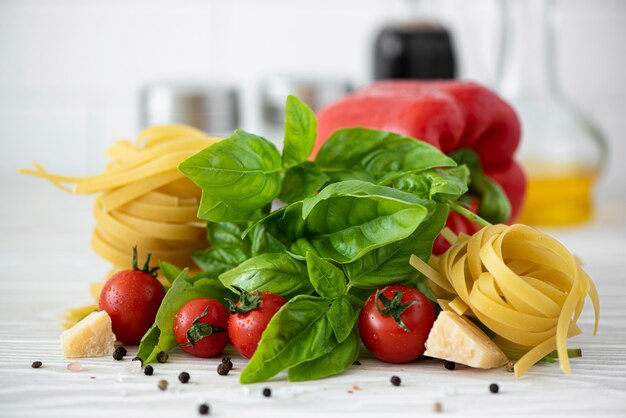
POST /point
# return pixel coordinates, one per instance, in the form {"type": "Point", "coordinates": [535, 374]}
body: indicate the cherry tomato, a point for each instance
{"type": "Point", "coordinates": [132, 299]}
{"type": "Point", "coordinates": [200, 327]}
{"type": "Point", "coordinates": [394, 323]}
{"type": "Point", "coordinates": [250, 317]}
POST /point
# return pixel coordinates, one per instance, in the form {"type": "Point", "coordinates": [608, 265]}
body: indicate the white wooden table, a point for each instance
{"type": "Point", "coordinates": [46, 265]}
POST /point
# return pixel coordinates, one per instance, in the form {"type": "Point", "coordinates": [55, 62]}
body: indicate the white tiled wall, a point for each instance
{"type": "Point", "coordinates": [70, 70]}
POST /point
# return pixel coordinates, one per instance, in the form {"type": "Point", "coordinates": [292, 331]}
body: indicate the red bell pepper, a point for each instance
{"type": "Point", "coordinates": [450, 115]}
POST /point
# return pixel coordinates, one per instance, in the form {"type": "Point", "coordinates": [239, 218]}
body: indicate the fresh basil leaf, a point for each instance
{"type": "Point", "coordinates": [327, 280]}
{"type": "Point", "coordinates": [300, 132]}
{"type": "Point", "coordinates": [302, 181]}
{"type": "Point", "coordinates": [390, 264]}
{"type": "Point", "coordinates": [342, 318]}
{"type": "Point", "coordinates": [348, 219]}
{"type": "Point", "coordinates": [361, 152]}
{"type": "Point", "coordinates": [494, 203]}
{"type": "Point", "coordinates": [436, 184]}
{"type": "Point", "coordinates": [299, 332]}
{"type": "Point", "coordinates": [263, 242]}
{"type": "Point", "coordinates": [183, 289]}
{"type": "Point", "coordinates": [148, 342]}
{"type": "Point", "coordinates": [169, 271]}
{"type": "Point", "coordinates": [216, 260]}
{"type": "Point", "coordinates": [277, 273]}
{"type": "Point", "coordinates": [238, 176]}
{"type": "Point", "coordinates": [337, 361]}
{"type": "Point", "coordinates": [226, 233]}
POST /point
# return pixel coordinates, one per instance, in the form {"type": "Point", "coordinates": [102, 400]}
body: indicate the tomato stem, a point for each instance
{"type": "Point", "coordinates": [393, 307]}
{"type": "Point", "coordinates": [152, 271]}
{"type": "Point", "coordinates": [247, 301]}
{"type": "Point", "coordinates": [199, 330]}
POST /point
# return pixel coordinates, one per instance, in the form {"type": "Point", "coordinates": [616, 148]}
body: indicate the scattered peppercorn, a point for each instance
{"type": "Point", "coordinates": [119, 353]}
{"type": "Point", "coordinates": [36, 364]}
{"type": "Point", "coordinates": [138, 359]}
{"type": "Point", "coordinates": [226, 361]}
{"type": "Point", "coordinates": [148, 370]}
{"type": "Point", "coordinates": [267, 392]}
{"type": "Point", "coordinates": [162, 357]}
{"type": "Point", "coordinates": [450, 365]}
{"type": "Point", "coordinates": [203, 409]}
{"type": "Point", "coordinates": [183, 377]}
{"type": "Point", "coordinates": [223, 369]}
{"type": "Point", "coordinates": [357, 363]}
{"type": "Point", "coordinates": [510, 366]}
{"type": "Point", "coordinates": [395, 380]}
{"type": "Point", "coordinates": [494, 388]}
{"type": "Point", "coordinates": [437, 407]}
{"type": "Point", "coordinates": [163, 384]}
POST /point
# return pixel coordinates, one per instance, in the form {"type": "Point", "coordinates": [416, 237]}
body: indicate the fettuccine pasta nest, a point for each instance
{"type": "Point", "coordinates": [143, 199]}
{"type": "Point", "coordinates": [522, 284]}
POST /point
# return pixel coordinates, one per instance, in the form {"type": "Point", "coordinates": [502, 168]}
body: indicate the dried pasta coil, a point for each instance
{"type": "Point", "coordinates": [142, 198]}
{"type": "Point", "coordinates": [520, 283]}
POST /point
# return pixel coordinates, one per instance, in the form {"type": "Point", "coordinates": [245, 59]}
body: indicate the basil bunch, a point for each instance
{"type": "Point", "coordinates": [352, 219]}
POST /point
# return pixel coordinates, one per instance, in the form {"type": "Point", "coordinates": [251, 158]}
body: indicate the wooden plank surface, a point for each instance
{"type": "Point", "coordinates": [46, 265]}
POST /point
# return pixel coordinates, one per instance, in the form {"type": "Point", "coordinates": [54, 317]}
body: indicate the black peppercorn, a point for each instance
{"type": "Point", "coordinates": [228, 362]}
{"type": "Point", "coordinates": [119, 353]}
{"type": "Point", "coordinates": [267, 392]}
{"type": "Point", "coordinates": [162, 357]}
{"type": "Point", "coordinates": [223, 369]}
{"type": "Point", "coordinates": [148, 370]}
{"type": "Point", "coordinates": [494, 388]}
{"type": "Point", "coordinates": [395, 380]}
{"type": "Point", "coordinates": [203, 409]}
{"type": "Point", "coordinates": [36, 364]}
{"type": "Point", "coordinates": [183, 377]}
{"type": "Point", "coordinates": [450, 365]}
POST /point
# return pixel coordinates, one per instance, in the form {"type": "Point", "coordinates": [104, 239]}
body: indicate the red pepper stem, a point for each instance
{"type": "Point", "coordinates": [468, 214]}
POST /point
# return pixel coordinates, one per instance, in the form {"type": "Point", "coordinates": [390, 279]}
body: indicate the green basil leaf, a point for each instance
{"type": "Point", "coordinates": [390, 264]}
{"type": "Point", "coordinates": [348, 219]}
{"type": "Point", "coordinates": [227, 233]}
{"type": "Point", "coordinates": [263, 242]}
{"type": "Point", "coordinates": [494, 203]}
{"type": "Point", "coordinates": [367, 152]}
{"type": "Point", "coordinates": [216, 260]}
{"type": "Point", "coordinates": [337, 361]}
{"type": "Point", "coordinates": [327, 280]}
{"type": "Point", "coordinates": [342, 318]}
{"type": "Point", "coordinates": [277, 273]}
{"type": "Point", "coordinates": [300, 132]}
{"type": "Point", "coordinates": [238, 176]}
{"type": "Point", "coordinates": [183, 289]}
{"type": "Point", "coordinates": [302, 181]}
{"type": "Point", "coordinates": [299, 332]}
{"type": "Point", "coordinates": [436, 184]}
{"type": "Point", "coordinates": [148, 342]}
{"type": "Point", "coordinates": [169, 271]}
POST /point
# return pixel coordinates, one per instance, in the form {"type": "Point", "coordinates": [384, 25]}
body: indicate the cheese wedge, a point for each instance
{"type": "Point", "coordinates": [456, 339]}
{"type": "Point", "coordinates": [91, 337]}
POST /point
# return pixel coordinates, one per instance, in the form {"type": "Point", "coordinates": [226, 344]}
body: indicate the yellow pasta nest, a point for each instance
{"type": "Point", "coordinates": [520, 283]}
{"type": "Point", "coordinates": [143, 199]}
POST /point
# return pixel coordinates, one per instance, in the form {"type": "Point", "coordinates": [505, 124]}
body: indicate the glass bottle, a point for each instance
{"type": "Point", "coordinates": [562, 151]}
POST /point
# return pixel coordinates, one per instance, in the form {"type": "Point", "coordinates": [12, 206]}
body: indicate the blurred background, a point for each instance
{"type": "Point", "coordinates": [76, 75]}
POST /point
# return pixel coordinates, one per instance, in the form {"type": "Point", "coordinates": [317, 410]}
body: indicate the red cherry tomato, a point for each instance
{"type": "Point", "coordinates": [132, 299]}
{"type": "Point", "coordinates": [200, 327]}
{"type": "Point", "coordinates": [249, 318]}
{"type": "Point", "coordinates": [397, 329]}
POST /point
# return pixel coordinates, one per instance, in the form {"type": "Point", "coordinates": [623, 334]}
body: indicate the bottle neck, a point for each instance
{"type": "Point", "coordinates": [527, 58]}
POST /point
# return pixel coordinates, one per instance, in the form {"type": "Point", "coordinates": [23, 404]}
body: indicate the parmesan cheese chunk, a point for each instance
{"type": "Point", "coordinates": [91, 337]}
{"type": "Point", "coordinates": [456, 339]}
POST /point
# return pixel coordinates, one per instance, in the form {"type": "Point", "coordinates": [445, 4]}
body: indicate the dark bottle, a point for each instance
{"type": "Point", "coordinates": [414, 50]}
